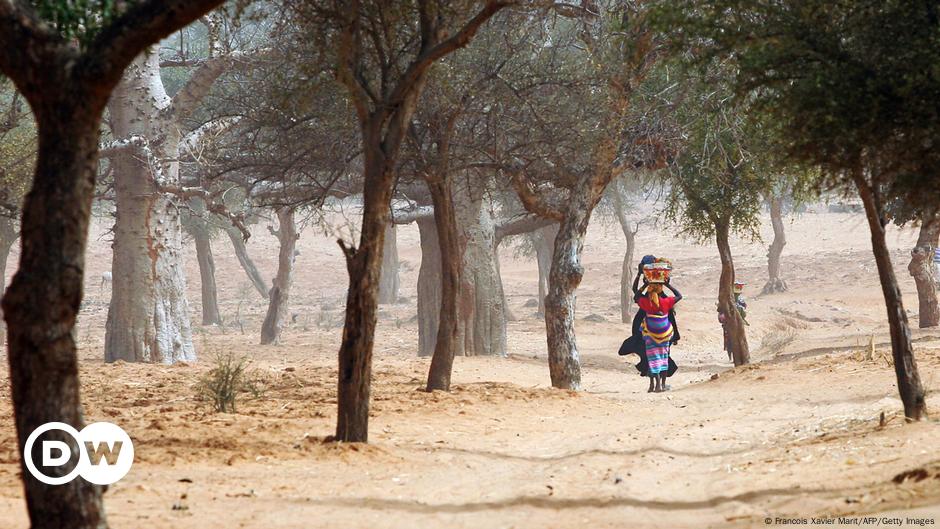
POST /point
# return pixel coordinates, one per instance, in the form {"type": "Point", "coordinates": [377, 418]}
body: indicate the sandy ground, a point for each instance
{"type": "Point", "coordinates": [796, 434]}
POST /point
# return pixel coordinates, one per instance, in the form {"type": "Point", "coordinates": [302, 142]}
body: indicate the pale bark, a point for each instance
{"type": "Point", "coordinates": [148, 318]}
{"type": "Point", "coordinates": [775, 282]}
{"type": "Point", "coordinates": [8, 235]}
{"type": "Point", "coordinates": [482, 311]}
{"type": "Point", "coordinates": [627, 268]}
{"type": "Point", "coordinates": [902, 350]}
{"type": "Point", "coordinates": [241, 252]}
{"type": "Point", "coordinates": [280, 291]}
{"type": "Point", "coordinates": [544, 241]}
{"type": "Point", "coordinates": [202, 238]}
{"type": "Point", "coordinates": [429, 287]}
{"type": "Point", "coordinates": [389, 284]}
{"type": "Point", "coordinates": [923, 270]}
{"type": "Point", "coordinates": [573, 214]}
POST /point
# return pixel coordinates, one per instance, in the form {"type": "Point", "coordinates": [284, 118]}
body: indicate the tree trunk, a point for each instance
{"type": "Point", "coordinates": [148, 319]}
{"type": "Point", "coordinates": [201, 236]}
{"type": "Point", "coordinates": [389, 284]}
{"type": "Point", "coordinates": [210, 298]}
{"type": "Point", "coordinates": [42, 302]}
{"type": "Point", "coordinates": [364, 265]}
{"type": "Point", "coordinates": [8, 236]}
{"type": "Point", "coordinates": [923, 270]}
{"type": "Point", "coordinates": [280, 292]}
{"type": "Point", "coordinates": [774, 282]}
{"type": "Point", "coordinates": [429, 287]}
{"type": "Point", "coordinates": [734, 324]}
{"type": "Point", "coordinates": [544, 241]}
{"type": "Point", "coordinates": [627, 269]}
{"type": "Point", "coordinates": [564, 362]}
{"type": "Point", "coordinates": [481, 306]}
{"type": "Point", "coordinates": [241, 252]}
{"type": "Point", "coordinates": [902, 351]}
{"type": "Point", "coordinates": [445, 220]}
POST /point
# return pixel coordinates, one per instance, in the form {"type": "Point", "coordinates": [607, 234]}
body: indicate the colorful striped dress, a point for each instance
{"type": "Point", "coordinates": [657, 332]}
{"type": "Point", "coordinates": [657, 336]}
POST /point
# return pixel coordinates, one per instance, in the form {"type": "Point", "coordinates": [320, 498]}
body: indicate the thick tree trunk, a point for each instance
{"type": "Point", "coordinates": [481, 305]}
{"type": "Point", "coordinates": [902, 351]}
{"type": "Point", "coordinates": [389, 285]}
{"type": "Point", "coordinates": [43, 300]}
{"type": "Point", "coordinates": [544, 241]}
{"type": "Point", "coordinates": [627, 268]}
{"type": "Point", "coordinates": [774, 282]}
{"type": "Point", "coordinates": [445, 221]}
{"type": "Point", "coordinates": [734, 324]}
{"type": "Point", "coordinates": [241, 252]}
{"type": "Point", "coordinates": [201, 236]}
{"type": "Point", "coordinates": [280, 291]}
{"type": "Point", "coordinates": [8, 236]}
{"type": "Point", "coordinates": [564, 361]}
{"type": "Point", "coordinates": [923, 270]}
{"type": "Point", "coordinates": [148, 319]}
{"type": "Point", "coordinates": [429, 287]}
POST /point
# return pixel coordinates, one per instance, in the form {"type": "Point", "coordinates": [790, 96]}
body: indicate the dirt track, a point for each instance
{"type": "Point", "coordinates": [796, 434]}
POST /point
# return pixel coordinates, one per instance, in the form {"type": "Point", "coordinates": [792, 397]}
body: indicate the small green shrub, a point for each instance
{"type": "Point", "coordinates": [224, 381]}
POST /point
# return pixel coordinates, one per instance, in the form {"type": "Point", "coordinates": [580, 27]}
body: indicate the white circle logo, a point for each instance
{"type": "Point", "coordinates": [105, 453]}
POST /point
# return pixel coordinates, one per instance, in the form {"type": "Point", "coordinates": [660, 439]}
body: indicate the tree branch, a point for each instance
{"type": "Point", "coordinates": [28, 45]}
{"type": "Point", "coordinates": [186, 100]}
{"type": "Point", "coordinates": [460, 39]}
{"type": "Point", "coordinates": [532, 201]}
{"type": "Point", "coordinates": [143, 24]}
{"type": "Point", "coordinates": [407, 216]}
{"type": "Point", "coordinates": [519, 225]}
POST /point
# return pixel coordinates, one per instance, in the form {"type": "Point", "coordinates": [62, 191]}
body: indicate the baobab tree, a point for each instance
{"type": "Point", "coordinates": [65, 61]}
{"type": "Point", "coordinates": [148, 318]}
{"type": "Point", "coordinates": [18, 145]}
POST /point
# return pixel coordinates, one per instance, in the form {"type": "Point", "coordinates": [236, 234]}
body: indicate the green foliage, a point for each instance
{"type": "Point", "coordinates": [78, 19]}
{"type": "Point", "coordinates": [18, 145]}
{"type": "Point", "coordinates": [849, 85]}
{"type": "Point", "coordinates": [223, 382]}
{"type": "Point", "coordinates": [721, 174]}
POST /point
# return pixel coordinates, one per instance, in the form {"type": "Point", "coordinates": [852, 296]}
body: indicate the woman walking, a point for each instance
{"type": "Point", "coordinates": [657, 330]}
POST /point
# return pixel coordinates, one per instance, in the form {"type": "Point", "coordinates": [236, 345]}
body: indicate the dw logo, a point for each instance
{"type": "Point", "coordinates": [102, 453]}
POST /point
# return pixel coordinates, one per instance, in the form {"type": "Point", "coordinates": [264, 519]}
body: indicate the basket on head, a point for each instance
{"type": "Point", "coordinates": [657, 271]}
{"type": "Point", "coordinates": [739, 287]}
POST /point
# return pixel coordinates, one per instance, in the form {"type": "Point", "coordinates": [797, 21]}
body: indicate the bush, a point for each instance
{"type": "Point", "coordinates": [224, 381]}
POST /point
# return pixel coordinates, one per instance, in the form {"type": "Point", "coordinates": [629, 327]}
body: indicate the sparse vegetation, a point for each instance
{"type": "Point", "coordinates": [222, 384]}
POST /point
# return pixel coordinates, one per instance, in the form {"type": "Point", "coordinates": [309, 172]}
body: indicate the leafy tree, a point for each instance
{"type": "Point", "coordinates": [852, 88]}
{"type": "Point", "coordinates": [718, 182]}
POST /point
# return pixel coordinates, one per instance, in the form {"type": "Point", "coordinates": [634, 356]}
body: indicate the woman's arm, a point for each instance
{"type": "Point", "coordinates": [638, 294]}
{"type": "Point", "coordinates": [675, 292]}
{"type": "Point", "coordinates": [636, 282]}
